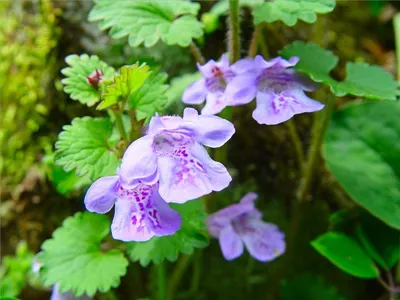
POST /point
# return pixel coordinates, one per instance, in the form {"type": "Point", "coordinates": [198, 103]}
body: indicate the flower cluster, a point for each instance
{"type": "Point", "coordinates": [242, 223]}
{"type": "Point", "coordinates": [168, 164]}
{"type": "Point", "coordinates": [277, 87]}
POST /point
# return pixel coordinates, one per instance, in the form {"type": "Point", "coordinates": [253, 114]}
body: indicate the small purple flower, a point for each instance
{"type": "Point", "coordinates": [279, 90]}
{"type": "Point", "coordinates": [242, 223]}
{"type": "Point", "coordinates": [216, 76]}
{"type": "Point", "coordinates": [57, 295]}
{"type": "Point", "coordinates": [140, 212]}
{"type": "Point", "coordinates": [172, 152]}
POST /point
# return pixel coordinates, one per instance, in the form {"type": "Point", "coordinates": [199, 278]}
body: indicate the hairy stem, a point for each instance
{"type": "Point", "coordinates": [234, 31]}
{"type": "Point", "coordinates": [254, 41]}
{"type": "Point", "coordinates": [396, 25]}
{"type": "Point", "coordinates": [296, 142]}
{"type": "Point", "coordinates": [161, 282]}
{"type": "Point", "coordinates": [179, 271]}
{"type": "Point", "coordinates": [319, 126]}
{"type": "Point", "coordinates": [196, 273]}
{"type": "Point", "coordinates": [120, 123]}
{"type": "Point", "coordinates": [197, 53]}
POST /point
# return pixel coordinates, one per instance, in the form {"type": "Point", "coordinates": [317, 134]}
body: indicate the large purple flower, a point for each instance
{"type": "Point", "coordinates": [242, 223]}
{"type": "Point", "coordinates": [172, 152]}
{"type": "Point", "coordinates": [211, 87]}
{"type": "Point", "coordinates": [140, 212]}
{"type": "Point", "coordinates": [279, 90]}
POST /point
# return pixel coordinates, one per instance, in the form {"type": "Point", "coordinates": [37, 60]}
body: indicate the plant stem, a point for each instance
{"type": "Point", "coordinates": [197, 53]}
{"type": "Point", "coordinates": [234, 31]}
{"type": "Point", "coordinates": [254, 41]}
{"type": "Point", "coordinates": [296, 142]}
{"type": "Point", "coordinates": [120, 123]}
{"type": "Point", "coordinates": [319, 126]}
{"type": "Point", "coordinates": [179, 271]}
{"type": "Point", "coordinates": [263, 44]}
{"type": "Point", "coordinates": [194, 285]}
{"type": "Point", "coordinates": [396, 26]}
{"type": "Point", "coordinates": [161, 281]}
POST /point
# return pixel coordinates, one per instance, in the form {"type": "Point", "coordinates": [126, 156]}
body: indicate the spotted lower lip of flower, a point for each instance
{"type": "Point", "coordinates": [278, 88]}
{"type": "Point", "coordinates": [140, 212]}
{"type": "Point", "coordinates": [216, 76]}
{"type": "Point", "coordinates": [241, 225]}
{"type": "Point", "coordinates": [173, 147]}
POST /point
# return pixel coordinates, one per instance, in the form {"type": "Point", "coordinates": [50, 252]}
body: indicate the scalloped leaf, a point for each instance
{"type": "Point", "coordinates": [83, 146]}
{"type": "Point", "coordinates": [74, 259]}
{"type": "Point", "coordinates": [129, 79]}
{"type": "Point", "coordinates": [191, 235]}
{"type": "Point", "coordinates": [289, 11]}
{"type": "Point", "coordinates": [76, 84]}
{"type": "Point", "coordinates": [173, 22]}
{"type": "Point", "coordinates": [150, 97]}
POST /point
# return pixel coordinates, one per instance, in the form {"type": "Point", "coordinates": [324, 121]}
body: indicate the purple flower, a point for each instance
{"type": "Point", "coordinates": [279, 90]}
{"type": "Point", "coordinates": [172, 152]}
{"type": "Point", "coordinates": [211, 87]}
{"type": "Point", "coordinates": [140, 212]}
{"type": "Point", "coordinates": [242, 223]}
{"type": "Point", "coordinates": [57, 295]}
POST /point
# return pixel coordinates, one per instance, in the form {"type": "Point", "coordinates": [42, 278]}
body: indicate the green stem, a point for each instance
{"type": "Point", "coordinates": [179, 271]}
{"type": "Point", "coordinates": [196, 273]}
{"type": "Point", "coordinates": [296, 142]}
{"type": "Point", "coordinates": [396, 25]}
{"type": "Point", "coordinates": [254, 41]}
{"type": "Point", "coordinates": [197, 53]}
{"type": "Point", "coordinates": [161, 281]}
{"type": "Point", "coordinates": [120, 123]}
{"type": "Point", "coordinates": [263, 44]}
{"type": "Point", "coordinates": [320, 123]}
{"type": "Point", "coordinates": [234, 31]}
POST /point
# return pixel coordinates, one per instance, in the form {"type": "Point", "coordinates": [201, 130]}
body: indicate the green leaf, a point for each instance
{"type": "Point", "coordinates": [173, 22]}
{"type": "Point", "coordinates": [362, 79]}
{"type": "Point", "coordinates": [367, 81]}
{"type": "Point", "coordinates": [129, 79]}
{"type": "Point", "coordinates": [346, 254]}
{"type": "Point", "coordinates": [83, 146]}
{"type": "Point", "coordinates": [361, 149]}
{"type": "Point", "coordinates": [73, 257]}
{"type": "Point", "coordinates": [76, 84]}
{"type": "Point", "coordinates": [14, 271]}
{"type": "Point", "coordinates": [382, 243]}
{"type": "Point", "coordinates": [308, 287]}
{"type": "Point", "coordinates": [221, 7]}
{"type": "Point", "coordinates": [67, 182]}
{"type": "Point", "coordinates": [150, 97]}
{"type": "Point", "coordinates": [289, 11]}
{"type": "Point", "coordinates": [314, 61]}
{"type": "Point", "coordinates": [191, 235]}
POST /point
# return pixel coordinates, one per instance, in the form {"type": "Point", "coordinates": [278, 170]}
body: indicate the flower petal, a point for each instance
{"type": "Point", "coordinates": [170, 220]}
{"type": "Point", "coordinates": [215, 103]}
{"type": "Point", "coordinates": [266, 112]}
{"type": "Point", "coordinates": [264, 241]}
{"type": "Point", "coordinates": [190, 175]}
{"type": "Point", "coordinates": [128, 224]}
{"type": "Point", "coordinates": [243, 65]}
{"type": "Point", "coordinates": [57, 295]}
{"type": "Point", "coordinates": [208, 130]}
{"type": "Point", "coordinates": [222, 218]}
{"type": "Point", "coordinates": [102, 194]}
{"type": "Point", "coordinates": [302, 103]}
{"type": "Point", "coordinates": [249, 198]}
{"type": "Point", "coordinates": [241, 89]}
{"type": "Point", "coordinates": [230, 243]}
{"type": "Point", "coordinates": [195, 93]}
{"type": "Point", "coordinates": [138, 162]}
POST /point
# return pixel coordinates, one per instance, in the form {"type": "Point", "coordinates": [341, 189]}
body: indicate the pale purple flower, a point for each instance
{"type": "Point", "coordinates": [140, 212]}
{"type": "Point", "coordinates": [211, 87]}
{"type": "Point", "coordinates": [57, 295]}
{"type": "Point", "coordinates": [172, 152]}
{"type": "Point", "coordinates": [279, 90]}
{"type": "Point", "coordinates": [241, 224]}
